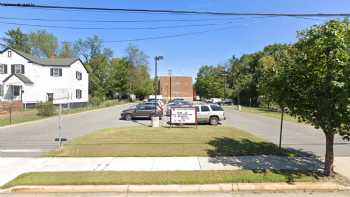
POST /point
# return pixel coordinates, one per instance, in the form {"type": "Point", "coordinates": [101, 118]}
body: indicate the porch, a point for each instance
{"type": "Point", "coordinates": [12, 92]}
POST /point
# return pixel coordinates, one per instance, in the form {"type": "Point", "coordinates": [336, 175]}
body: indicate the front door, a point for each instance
{"type": "Point", "coordinates": [15, 92]}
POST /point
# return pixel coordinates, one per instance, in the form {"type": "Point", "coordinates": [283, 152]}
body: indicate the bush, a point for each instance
{"type": "Point", "coordinates": [46, 109]}
{"type": "Point", "coordinates": [96, 101]}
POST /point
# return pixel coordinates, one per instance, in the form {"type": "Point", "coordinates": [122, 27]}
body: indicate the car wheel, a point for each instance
{"type": "Point", "coordinates": [128, 117]}
{"type": "Point", "coordinates": [214, 120]}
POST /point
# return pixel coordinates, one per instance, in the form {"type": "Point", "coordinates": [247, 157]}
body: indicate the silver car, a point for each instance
{"type": "Point", "coordinates": [210, 113]}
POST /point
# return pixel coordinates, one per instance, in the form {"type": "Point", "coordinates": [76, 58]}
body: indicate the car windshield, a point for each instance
{"type": "Point", "coordinates": [216, 108]}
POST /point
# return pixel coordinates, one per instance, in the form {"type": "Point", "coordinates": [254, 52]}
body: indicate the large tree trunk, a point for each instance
{"type": "Point", "coordinates": [329, 160]}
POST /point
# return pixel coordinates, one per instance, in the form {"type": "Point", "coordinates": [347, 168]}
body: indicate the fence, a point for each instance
{"type": "Point", "coordinates": [8, 107]}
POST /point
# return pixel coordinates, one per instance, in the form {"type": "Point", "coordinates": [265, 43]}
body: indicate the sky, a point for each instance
{"type": "Point", "coordinates": [217, 38]}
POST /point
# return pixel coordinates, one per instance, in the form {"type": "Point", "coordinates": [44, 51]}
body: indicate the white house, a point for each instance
{"type": "Point", "coordinates": [30, 79]}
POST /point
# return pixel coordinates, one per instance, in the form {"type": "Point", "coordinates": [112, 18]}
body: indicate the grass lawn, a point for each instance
{"type": "Point", "coordinates": [264, 112]}
{"type": "Point", "coordinates": [148, 141]}
{"type": "Point", "coordinates": [174, 177]}
{"type": "Point", "coordinates": [19, 117]}
{"type": "Point", "coordinates": [32, 114]}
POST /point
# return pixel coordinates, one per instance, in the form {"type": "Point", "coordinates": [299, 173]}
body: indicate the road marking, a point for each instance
{"type": "Point", "coordinates": [21, 151]}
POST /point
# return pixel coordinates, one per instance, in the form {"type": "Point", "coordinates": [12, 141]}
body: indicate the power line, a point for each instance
{"type": "Point", "coordinates": [175, 11]}
{"type": "Point", "coordinates": [172, 35]}
{"type": "Point", "coordinates": [168, 36]}
{"type": "Point", "coordinates": [115, 28]}
{"type": "Point", "coordinates": [119, 21]}
{"type": "Point", "coordinates": [142, 21]}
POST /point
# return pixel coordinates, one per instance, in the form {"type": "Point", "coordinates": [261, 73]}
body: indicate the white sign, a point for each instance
{"type": "Point", "coordinates": [183, 115]}
{"type": "Point", "coordinates": [60, 94]}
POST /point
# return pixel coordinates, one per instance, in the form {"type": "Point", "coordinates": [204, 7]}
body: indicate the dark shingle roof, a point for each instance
{"type": "Point", "coordinates": [21, 77]}
{"type": "Point", "coordinates": [47, 61]}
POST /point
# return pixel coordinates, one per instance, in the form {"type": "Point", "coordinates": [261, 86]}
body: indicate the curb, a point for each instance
{"type": "Point", "coordinates": [225, 187]}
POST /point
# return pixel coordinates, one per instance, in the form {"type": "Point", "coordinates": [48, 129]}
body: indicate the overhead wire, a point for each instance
{"type": "Point", "coordinates": [114, 28]}
{"type": "Point", "coordinates": [237, 15]}
{"type": "Point", "coordinates": [120, 21]}
{"type": "Point", "coordinates": [169, 11]}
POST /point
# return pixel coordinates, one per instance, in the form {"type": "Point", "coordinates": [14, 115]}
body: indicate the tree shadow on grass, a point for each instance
{"type": "Point", "coordinates": [231, 147]}
{"type": "Point", "coordinates": [262, 157]}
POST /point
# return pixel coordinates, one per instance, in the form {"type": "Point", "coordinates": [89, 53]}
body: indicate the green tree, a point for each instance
{"type": "Point", "coordinates": [99, 69]}
{"type": "Point", "coordinates": [66, 50]}
{"type": "Point", "coordinates": [119, 80]}
{"type": "Point", "coordinates": [88, 48]}
{"type": "Point", "coordinates": [136, 56]}
{"type": "Point", "coordinates": [317, 80]}
{"type": "Point", "coordinates": [272, 61]}
{"type": "Point", "coordinates": [43, 44]}
{"type": "Point", "coordinates": [140, 82]}
{"type": "Point", "coordinates": [240, 77]}
{"type": "Point", "coordinates": [143, 83]}
{"type": "Point", "coordinates": [210, 82]}
{"type": "Point", "coordinates": [16, 39]}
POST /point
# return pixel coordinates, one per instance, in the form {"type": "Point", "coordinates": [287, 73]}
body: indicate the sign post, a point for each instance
{"type": "Point", "coordinates": [60, 96]}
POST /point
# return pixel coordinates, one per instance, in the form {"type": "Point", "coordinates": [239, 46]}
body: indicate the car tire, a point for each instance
{"type": "Point", "coordinates": [128, 117]}
{"type": "Point", "coordinates": [214, 120]}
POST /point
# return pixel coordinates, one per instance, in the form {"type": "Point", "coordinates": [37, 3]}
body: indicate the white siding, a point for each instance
{"type": "Point", "coordinates": [43, 83]}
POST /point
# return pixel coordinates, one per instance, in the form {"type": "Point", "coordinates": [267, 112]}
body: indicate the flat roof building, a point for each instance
{"type": "Point", "coordinates": [176, 87]}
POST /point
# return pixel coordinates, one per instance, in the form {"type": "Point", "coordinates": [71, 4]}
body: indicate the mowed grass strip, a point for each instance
{"type": "Point", "coordinates": [32, 114]}
{"type": "Point", "coordinates": [264, 112]}
{"type": "Point", "coordinates": [147, 141]}
{"type": "Point", "coordinates": [161, 178]}
{"type": "Point", "coordinates": [19, 117]}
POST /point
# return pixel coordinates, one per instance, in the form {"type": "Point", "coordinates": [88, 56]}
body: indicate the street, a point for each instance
{"type": "Point", "coordinates": [295, 135]}
{"type": "Point", "coordinates": [32, 139]}
{"type": "Point", "coordinates": [201, 194]}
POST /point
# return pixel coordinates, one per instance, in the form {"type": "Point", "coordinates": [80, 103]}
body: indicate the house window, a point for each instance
{"type": "Point", "coordinates": [78, 94]}
{"type": "Point", "coordinates": [17, 69]}
{"type": "Point", "coordinates": [3, 69]}
{"type": "Point", "coordinates": [56, 72]}
{"type": "Point", "coordinates": [50, 97]}
{"type": "Point", "coordinates": [9, 53]}
{"type": "Point", "coordinates": [1, 90]}
{"type": "Point", "coordinates": [78, 75]}
{"type": "Point", "coordinates": [16, 90]}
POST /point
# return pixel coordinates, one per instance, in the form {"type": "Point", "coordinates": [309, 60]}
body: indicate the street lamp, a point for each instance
{"type": "Point", "coordinates": [156, 59]}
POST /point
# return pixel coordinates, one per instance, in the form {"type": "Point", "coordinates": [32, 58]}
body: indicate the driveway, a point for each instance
{"type": "Point", "coordinates": [34, 138]}
{"type": "Point", "coordinates": [295, 135]}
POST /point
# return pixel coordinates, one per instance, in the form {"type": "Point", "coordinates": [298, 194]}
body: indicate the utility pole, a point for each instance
{"type": "Point", "coordinates": [281, 127]}
{"type": "Point", "coordinates": [156, 89]}
{"type": "Point", "coordinates": [224, 74]}
{"type": "Point", "coordinates": [170, 72]}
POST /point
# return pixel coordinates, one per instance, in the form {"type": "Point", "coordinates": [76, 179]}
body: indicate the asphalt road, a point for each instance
{"type": "Point", "coordinates": [34, 138]}
{"type": "Point", "coordinates": [295, 135]}
{"type": "Point", "coordinates": [198, 194]}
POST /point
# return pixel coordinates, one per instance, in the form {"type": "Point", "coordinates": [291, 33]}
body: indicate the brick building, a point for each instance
{"type": "Point", "coordinates": [176, 87]}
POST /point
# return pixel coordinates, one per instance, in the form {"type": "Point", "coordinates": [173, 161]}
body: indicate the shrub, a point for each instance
{"type": "Point", "coordinates": [46, 109]}
{"type": "Point", "coordinates": [96, 101]}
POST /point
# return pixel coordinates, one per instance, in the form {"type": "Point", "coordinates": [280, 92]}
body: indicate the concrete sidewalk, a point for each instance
{"type": "Point", "coordinates": [12, 167]}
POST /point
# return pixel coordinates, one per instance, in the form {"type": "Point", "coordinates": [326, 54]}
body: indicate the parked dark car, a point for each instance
{"type": "Point", "coordinates": [141, 111]}
{"type": "Point", "coordinates": [178, 103]}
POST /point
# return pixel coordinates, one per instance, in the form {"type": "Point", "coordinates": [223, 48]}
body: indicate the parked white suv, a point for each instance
{"type": "Point", "coordinates": [209, 113]}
